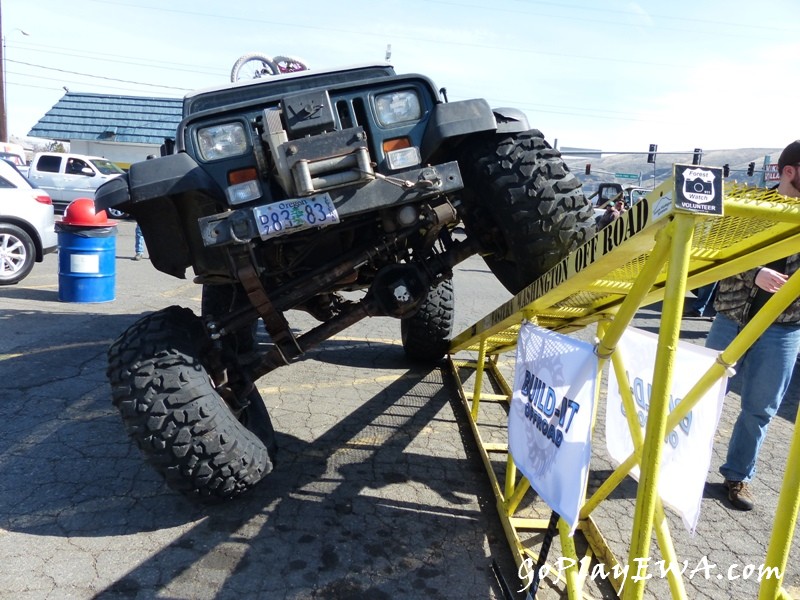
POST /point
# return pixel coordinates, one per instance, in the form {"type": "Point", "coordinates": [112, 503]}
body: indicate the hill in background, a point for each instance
{"type": "Point", "coordinates": [603, 167]}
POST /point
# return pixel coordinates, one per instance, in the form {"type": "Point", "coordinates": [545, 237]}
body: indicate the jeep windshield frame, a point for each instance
{"type": "Point", "coordinates": [278, 85]}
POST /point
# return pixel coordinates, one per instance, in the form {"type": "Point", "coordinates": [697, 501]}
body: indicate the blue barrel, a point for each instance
{"type": "Point", "coordinates": [86, 263]}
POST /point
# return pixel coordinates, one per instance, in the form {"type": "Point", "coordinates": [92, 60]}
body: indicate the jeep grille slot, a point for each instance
{"type": "Point", "coordinates": [346, 120]}
{"type": "Point", "coordinates": [360, 112]}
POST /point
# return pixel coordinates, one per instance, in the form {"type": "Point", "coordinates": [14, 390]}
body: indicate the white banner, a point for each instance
{"type": "Point", "coordinates": [549, 423]}
{"type": "Point", "coordinates": [687, 449]}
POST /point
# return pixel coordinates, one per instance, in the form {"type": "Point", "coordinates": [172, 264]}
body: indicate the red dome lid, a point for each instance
{"type": "Point", "coordinates": [81, 211]}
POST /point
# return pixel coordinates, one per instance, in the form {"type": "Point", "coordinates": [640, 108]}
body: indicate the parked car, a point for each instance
{"type": "Point", "coordinates": [69, 176]}
{"type": "Point", "coordinates": [16, 154]}
{"type": "Point", "coordinates": [27, 225]}
{"type": "Point", "coordinates": [16, 160]}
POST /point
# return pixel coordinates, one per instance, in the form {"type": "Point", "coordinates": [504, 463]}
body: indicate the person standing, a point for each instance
{"type": "Point", "coordinates": [613, 212]}
{"type": "Point", "coordinates": [765, 370]}
{"type": "Point", "coordinates": [138, 243]}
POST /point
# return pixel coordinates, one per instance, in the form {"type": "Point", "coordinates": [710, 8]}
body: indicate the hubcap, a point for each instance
{"type": "Point", "coordinates": [12, 254]}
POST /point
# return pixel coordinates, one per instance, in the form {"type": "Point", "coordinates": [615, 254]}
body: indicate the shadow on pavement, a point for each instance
{"type": "Point", "coordinates": [381, 505]}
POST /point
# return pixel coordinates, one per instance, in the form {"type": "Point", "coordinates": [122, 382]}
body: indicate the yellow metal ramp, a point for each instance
{"type": "Point", "coordinates": [654, 252]}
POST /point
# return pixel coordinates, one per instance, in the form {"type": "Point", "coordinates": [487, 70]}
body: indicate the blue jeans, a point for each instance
{"type": "Point", "coordinates": [139, 241]}
{"type": "Point", "coordinates": [764, 373]}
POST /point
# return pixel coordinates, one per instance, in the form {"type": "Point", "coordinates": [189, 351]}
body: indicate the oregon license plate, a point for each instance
{"type": "Point", "coordinates": [296, 214]}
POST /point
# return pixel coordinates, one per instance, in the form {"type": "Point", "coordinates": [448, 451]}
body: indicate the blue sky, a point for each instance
{"type": "Point", "coordinates": [604, 74]}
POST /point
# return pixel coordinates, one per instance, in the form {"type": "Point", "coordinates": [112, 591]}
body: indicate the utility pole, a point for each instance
{"type": "Point", "coordinates": [3, 112]}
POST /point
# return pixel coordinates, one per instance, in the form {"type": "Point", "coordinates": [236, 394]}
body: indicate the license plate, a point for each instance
{"type": "Point", "coordinates": [296, 214]}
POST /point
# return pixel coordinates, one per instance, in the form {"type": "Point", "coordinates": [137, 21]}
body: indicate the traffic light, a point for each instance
{"type": "Point", "coordinates": [726, 170]}
{"type": "Point", "coordinates": [697, 156]}
{"type": "Point", "coordinates": [651, 157]}
{"type": "Point", "coordinates": [588, 168]}
{"type": "Point", "coordinates": [751, 167]}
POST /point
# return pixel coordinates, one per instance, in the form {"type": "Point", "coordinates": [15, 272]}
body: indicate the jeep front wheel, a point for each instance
{"type": "Point", "coordinates": [524, 206]}
{"type": "Point", "coordinates": [171, 409]}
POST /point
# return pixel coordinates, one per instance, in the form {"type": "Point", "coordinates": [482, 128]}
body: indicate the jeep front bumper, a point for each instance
{"type": "Point", "coordinates": [244, 224]}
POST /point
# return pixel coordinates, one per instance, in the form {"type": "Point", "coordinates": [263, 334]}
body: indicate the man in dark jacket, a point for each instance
{"type": "Point", "coordinates": [766, 369]}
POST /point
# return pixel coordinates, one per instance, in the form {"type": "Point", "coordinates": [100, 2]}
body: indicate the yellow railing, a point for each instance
{"type": "Point", "coordinates": [654, 252]}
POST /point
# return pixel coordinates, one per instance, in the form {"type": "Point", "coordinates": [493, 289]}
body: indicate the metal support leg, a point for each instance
{"type": "Point", "coordinates": [669, 334]}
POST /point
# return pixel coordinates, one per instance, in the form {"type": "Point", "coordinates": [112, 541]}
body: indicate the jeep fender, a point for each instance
{"type": "Point", "coordinates": [510, 120]}
{"type": "Point", "coordinates": [166, 196]}
{"type": "Point", "coordinates": [454, 120]}
{"type": "Point", "coordinates": [170, 175]}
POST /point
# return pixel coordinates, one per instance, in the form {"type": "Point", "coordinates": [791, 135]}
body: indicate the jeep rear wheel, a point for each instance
{"type": "Point", "coordinates": [426, 334]}
{"type": "Point", "coordinates": [172, 411]}
{"type": "Point", "coordinates": [524, 205]}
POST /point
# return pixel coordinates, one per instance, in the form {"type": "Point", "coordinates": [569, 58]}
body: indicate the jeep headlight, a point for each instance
{"type": "Point", "coordinates": [221, 141]}
{"type": "Point", "coordinates": [398, 107]}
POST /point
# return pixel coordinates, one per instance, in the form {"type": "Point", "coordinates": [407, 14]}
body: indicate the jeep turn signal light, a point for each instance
{"type": "Point", "coordinates": [244, 186]}
{"type": "Point", "coordinates": [400, 154]}
{"type": "Point", "coordinates": [242, 175]}
{"type": "Point", "coordinates": [396, 144]}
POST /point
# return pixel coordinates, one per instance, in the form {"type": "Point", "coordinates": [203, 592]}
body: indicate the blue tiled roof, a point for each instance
{"type": "Point", "coordinates": [129, 119]}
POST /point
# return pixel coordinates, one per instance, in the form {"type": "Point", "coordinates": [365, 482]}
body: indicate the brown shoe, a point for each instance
{"type": "Point", "coordinates": [739, 494]}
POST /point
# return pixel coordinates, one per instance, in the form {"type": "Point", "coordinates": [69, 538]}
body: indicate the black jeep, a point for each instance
{"type": "Point", "coordinates": [282, 192]}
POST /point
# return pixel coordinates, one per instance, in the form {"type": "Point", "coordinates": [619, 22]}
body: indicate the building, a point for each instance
{"type": "Point", "coordinates": [123, 129]}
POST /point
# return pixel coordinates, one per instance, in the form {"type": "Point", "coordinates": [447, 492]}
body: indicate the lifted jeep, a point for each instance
{"type": "Point", "coordinates": [284, 191]}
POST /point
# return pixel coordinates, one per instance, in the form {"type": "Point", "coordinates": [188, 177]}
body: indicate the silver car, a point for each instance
{"type": "Point", "coordinates": [27, 225]}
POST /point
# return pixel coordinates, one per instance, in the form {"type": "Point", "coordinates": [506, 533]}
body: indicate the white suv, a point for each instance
{"type": "Point", "coordinates": [27, 225]}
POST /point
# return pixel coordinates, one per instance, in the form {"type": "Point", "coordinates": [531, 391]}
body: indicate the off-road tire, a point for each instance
{"type": "Point", "coordinates": [17, 254]}
{"type": "Point", "coordinates": [426, 334]}
{"type": "Point", "coordinates": [526, 208]}
{"type": "Point", "coordinates": [171, 410]}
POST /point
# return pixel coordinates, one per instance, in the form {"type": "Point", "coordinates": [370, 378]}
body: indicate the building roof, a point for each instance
{"type": "Point", "coordinates": [100, 117]}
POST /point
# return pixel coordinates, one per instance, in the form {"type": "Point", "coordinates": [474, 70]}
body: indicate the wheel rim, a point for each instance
{"type": "Point", "coordinates": [253, 69]}
{"type": "Point", "coordinates": [12, 255]}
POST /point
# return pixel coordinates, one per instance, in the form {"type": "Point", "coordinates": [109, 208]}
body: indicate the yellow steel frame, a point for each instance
{"type": "Point", "coordinates": [654, 252]}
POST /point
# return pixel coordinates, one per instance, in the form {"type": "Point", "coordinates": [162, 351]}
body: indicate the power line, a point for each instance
{"type": "Point", "coordinates": [362, 32]}
{"type": "Point", "coordinates": [19, 62]}
{"type": "Point", "coordinates": [115, 58]}
{"type": "Point", "coordinates": [494, 9]}
{"type": "Point", "coordinates": [164, 65]}
{"type": "Point", "coordinates": [61, 84]}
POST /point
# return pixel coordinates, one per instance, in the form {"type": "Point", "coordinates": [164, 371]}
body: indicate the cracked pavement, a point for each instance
{"type": "Point", "coordinates": [378, 491]}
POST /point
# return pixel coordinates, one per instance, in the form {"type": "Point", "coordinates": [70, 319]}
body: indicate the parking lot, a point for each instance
{"type": "Point", "coordinates": [378, 492]}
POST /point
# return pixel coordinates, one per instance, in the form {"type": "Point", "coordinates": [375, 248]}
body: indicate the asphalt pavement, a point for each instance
{"type": "Point", "coordinates": [378, 492]}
